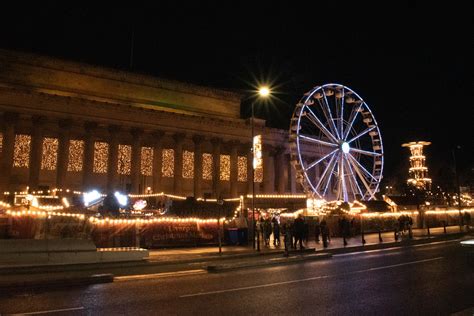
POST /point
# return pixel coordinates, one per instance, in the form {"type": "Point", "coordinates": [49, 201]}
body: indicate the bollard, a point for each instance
{"type": "Point", "coordinates": [363, 239]}
{"type": "Point", "coordinates": [396, 235]}
{"type": "Point", "coordinates": [410, 232]}
{"type": "Point", "coordinates": [428, 228]}
{"type": "Point", "coordinates": [444, 227]}
{"type": "Point", "coordinates": [345, 241]}
{"type": "Point", "coordinates": [380, 236]}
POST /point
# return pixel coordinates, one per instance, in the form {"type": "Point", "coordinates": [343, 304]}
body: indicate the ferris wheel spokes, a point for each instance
{"type": "Point", "coordinates": [324, 105]}
{"type": "Point", "coordinates": [365, 152]}
{"type": "Point", "coordinates": [362, 134]}
{"type": "Point", "coordinates": [330, 175]}
{"type": "Point", "coordinates": [349, 179]}
{"type": "Point", "coordinates": [362, 178]}
{"type": "Point", "coordinates": [314, 140]}
{"type": "Point", "coordinates": [352, 119]}
{"type": "Point", "coordinates": [314, 119]}
{"type": "Point", "coordinates": [361, 167]}
{"type": "Point", "coordinates": [355, 179]}
{"type": "Point", "coordinates": [326, 175]}
{"type": "Point", "coordinates": [320, 160]}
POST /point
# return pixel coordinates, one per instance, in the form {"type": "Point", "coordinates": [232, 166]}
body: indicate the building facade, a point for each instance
{"type": "Point", "coordinates": [74, 126]}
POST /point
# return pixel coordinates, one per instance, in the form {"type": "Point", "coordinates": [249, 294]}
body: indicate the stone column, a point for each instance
{"type": "Point", "coordinates": [280, 169]}
{"type": "Point", "coordinates": [6, 162]}
{"type": "Point", "coordinates": [63, 152]}
{"type": "Point", "coordinates": [178, 163]}
{"type": "Point", "coordinates": [268, 170]}
{"type": "Point", "coordinates": [112, 164]}
{"type": "Point", "coordinates": [88, 165]}
{"type": "Point", "coordinates": [292, 175]}
{"type": "Point", "coordinates": [136, 159]}
{"type": "Point", "coordinates": [216, 166]}
{"type": "Point", "coordinates": [197, 165]}
{"type": "Point", "coordinates": [35, 152]}
{"type": "Point", "coordinates": [249, 168]}
{"type": "Point", "coordinates": [233, 169]}
{"type": "Point", "coordinates": [157, 160]}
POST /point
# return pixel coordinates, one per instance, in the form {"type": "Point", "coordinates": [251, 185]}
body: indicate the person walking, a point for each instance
{"type": "Point", "coordinates": [299, 231]}
{"type": "Point", "coordinates": [267, 231]}
{"type": "Point", "coordinates": [324, 233]}
{"type": "Point", "coordinates": [317, 231]}
{"type": "Point", "coordinates": [276, 232]}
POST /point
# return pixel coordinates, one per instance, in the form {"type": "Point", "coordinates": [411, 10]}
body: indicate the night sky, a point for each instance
{"type": "Point", "coordinates": [410, 62]}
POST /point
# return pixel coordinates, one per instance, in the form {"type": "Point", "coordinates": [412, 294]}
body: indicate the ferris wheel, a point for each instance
{"type": "Point", "coordinates": [335, 125]}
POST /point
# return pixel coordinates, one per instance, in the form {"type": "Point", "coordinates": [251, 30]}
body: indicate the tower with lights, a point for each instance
{"type": "Point", "coordinates": [418, 172]}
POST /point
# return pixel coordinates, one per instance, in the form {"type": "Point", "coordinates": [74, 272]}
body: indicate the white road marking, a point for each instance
{"type": "Point", "coordinates": [159, 275]}
{"type": "Point", "coordinates": [309, 279]}
{"type": "Point", "coordinates": [51, 311]}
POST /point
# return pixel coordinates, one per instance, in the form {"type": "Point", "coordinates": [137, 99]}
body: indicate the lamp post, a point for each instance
{"type": "Point", "coordinates": [263, 92]}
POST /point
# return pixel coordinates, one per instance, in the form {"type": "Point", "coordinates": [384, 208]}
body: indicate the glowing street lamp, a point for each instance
{"type": "Point", "coordinates": [263, 92]}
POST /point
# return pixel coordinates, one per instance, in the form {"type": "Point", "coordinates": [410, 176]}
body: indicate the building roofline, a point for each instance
{"type": "Point", "coordinates": [117, 74]}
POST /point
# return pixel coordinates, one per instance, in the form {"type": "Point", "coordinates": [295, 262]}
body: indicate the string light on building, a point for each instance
{"type": "Point", "coordinates": [146, 166]}
{"type": "Point", "coordinates": [224, 168]}
{"type": "Point", "coordinates": [21, 151]}
{"type": "Point", "coordinates": [1, 142]}
{"type": "Point", "coordinates": [112, 221]}
{"type": "Point", "coordinates": [188, 164]}
{"type": "Point", "coordinates": [34, 213]}
{"type": "Point", "coordinates": [207, 166]}
{"type": "Point", "coordinates": [124, 163]}
{"type": "Point", "coordinates": [242, 169]}
{"type": "Point", "coordinates": [418, 172]}
{"type": "Point", "coordinates": [259, 174]}
{"type": "Point", "coordinates": [4, 204]}
{"type": "Point", "coordinates": [76, 154]}
{"type": "Point", "coordinates": [167, 167]}
{"type": "Point", "coordinates": [278, 196]}
{"type": "Point", "coordinates": [49, 158]}
{"type": "Point", "coordinates": [101, 156]}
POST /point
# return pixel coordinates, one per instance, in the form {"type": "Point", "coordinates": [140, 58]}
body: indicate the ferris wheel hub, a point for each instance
{"type": "Point", "coordinates": [345, 147]}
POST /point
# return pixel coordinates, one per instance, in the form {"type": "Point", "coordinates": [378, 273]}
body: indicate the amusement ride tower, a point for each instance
{"type": "Point", "coordinates": [418, 172]}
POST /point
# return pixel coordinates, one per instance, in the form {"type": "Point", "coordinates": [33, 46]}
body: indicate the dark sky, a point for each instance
{"type": "Point", "coordinates": [411, 62]}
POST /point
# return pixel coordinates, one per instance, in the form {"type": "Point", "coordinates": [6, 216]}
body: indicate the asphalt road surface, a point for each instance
{"type": "Point", "coordinates": [434, 279]}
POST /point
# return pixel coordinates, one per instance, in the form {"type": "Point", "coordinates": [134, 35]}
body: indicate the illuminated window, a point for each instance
{"type": "Point", "coordinates": [242, 168]}
{"type": "Point", "coordinates": [1, 142]}
{"type": "Point", "coordinates": [49, 157]}
{"type": "Point", "coordinates": [124, 163]}
{"type": "Point", "coordinates": [76, 154]}
{"type": "Point", "coordinates": [21, 151]}
{"type": "Point", "coordinates": [101, 156]}
{"type": "Point", "coordinates": [259, 174]}
{"type": "Point", "coordinates": [146, 166]}
{"type": "Point", "coordinates": [206, 166]}
{"type": "Point", "coordinates": [188, 164]}
{"type": "Point", "coordinates": [225, 168]}
{"type": "Point", "coordinates": [167, 167]}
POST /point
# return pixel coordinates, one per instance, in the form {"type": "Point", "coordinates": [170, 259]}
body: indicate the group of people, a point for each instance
{"type": "Point", "coordinates": [295, 233]}
{"type": "Point", "coordinates": [322, 232]}
{"type": "Point", "coordinates": [267, 227]}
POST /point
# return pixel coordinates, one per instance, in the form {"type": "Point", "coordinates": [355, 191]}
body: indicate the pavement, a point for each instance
{"type": "Point", "coordinates": [167, 261]}
{"type": "Point", "coordinates": [421, 279]}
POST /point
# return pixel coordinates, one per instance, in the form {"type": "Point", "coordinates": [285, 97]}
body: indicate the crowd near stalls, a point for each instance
{"type": "Point", "coordinates": [161, 220]}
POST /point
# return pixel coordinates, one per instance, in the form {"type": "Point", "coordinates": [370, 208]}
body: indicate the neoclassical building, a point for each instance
{"type": "Point", "coordinates": [76, 126]}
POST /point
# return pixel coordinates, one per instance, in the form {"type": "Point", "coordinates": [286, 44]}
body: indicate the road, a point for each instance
{"type": "Point", "coordinates": [424, 279]}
